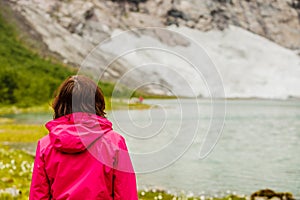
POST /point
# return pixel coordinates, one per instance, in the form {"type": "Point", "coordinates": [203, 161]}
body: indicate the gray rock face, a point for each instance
{"type": "Point", "coordinates": [93, 20]}
{"type": "Point", "coordinates": [278, 20]}
{"type": "Point", "coordinates": [72, 29]}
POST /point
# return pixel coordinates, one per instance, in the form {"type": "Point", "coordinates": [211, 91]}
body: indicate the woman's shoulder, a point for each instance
{"type": "Point", "coordinates": [44, 143]}
{"type": "Point", "coordinates": [111, 137]}
{"type": "Point", "coordinates": [116, 139]}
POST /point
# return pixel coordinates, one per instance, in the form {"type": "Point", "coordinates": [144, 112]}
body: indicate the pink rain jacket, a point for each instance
{"type": "Point", "coordinates": [82, 158]}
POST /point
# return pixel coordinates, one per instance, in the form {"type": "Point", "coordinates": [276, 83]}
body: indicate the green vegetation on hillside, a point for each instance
{"type": "Point", "coordinates": [28, 80]}
{"type": "Point", "coordinates": [25, 78]}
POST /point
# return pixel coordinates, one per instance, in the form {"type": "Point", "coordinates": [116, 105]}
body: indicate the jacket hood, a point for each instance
{"type": "Point", "coordinates": [75, 132]}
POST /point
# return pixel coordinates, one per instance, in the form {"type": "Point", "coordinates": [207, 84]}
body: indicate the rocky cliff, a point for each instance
{"type": "Point", "coordinates": [72, 28]}
{"type": "Point", "coordinates": [277, 20]}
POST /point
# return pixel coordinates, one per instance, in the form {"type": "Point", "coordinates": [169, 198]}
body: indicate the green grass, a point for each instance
{"type": "Point", "coordinates": [26, 79]}
{"type": "Point", "coordinates": [121, 104]}
{"type": "Point", "coordinates": [15, 172]}
{"type": "Point", "coordinates": [13, 109]}
{"type": "Point", "coordinates": [10, 132]}
{"type": "Point", "coordinates": [110, 104]}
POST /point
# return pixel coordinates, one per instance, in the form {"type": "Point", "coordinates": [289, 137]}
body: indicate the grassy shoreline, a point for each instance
{"type": "Point", "coordinates": [16, 170]}
{"type": "Point", "coordinates": [116, 104]}
{"type": "Point", "coordinates": [16, 166]}
{"type": "Point", "coordinates": [15, 173]}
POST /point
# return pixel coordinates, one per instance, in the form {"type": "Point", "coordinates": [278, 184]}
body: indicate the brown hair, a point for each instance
{"type": "Point", "coordinates": [78, 94]}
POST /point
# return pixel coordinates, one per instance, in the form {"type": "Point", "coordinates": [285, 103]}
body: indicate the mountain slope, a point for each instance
{"type": "Point", "coordinates": [73, 28]}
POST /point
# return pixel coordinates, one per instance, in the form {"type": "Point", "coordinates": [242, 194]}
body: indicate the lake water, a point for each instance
{"type": "Point", "coordinates": [259, 146]}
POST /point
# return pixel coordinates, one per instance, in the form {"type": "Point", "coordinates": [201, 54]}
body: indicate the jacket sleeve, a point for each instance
{"type": "Point", "coordinates": [124, 176]}
{"type": "Point", "coordinates": [40, 188]}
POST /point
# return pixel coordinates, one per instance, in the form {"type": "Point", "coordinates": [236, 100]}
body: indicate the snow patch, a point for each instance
{"type": "Point", "coordinates": [250, 65]}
